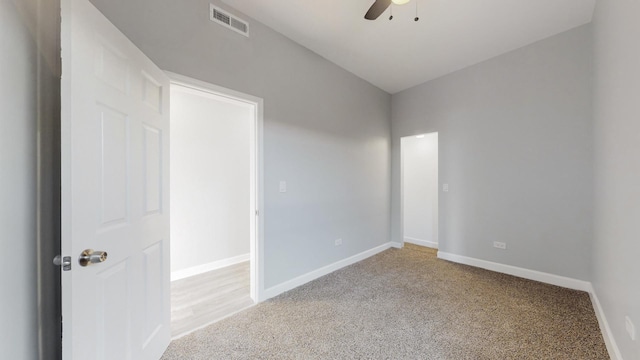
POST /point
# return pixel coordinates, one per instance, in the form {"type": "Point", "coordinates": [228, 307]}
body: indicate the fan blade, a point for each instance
{"type": "Point", "coordinates": [377, 9]}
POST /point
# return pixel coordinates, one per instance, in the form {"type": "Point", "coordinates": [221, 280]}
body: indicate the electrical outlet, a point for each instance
{"type": "Point", "coordinates": [631, 329]}
{"type": "Point", "coordinates": [338, 242]}
{"type": "Point", "coordinates": [283, 186]}
{"type": "Point", "coordinates": [500, 245]}
{"type": "Point", "coordinates": [445, 187]}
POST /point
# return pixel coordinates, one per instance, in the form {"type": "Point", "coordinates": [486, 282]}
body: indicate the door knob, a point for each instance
{"type": "Point", "coordinates": [89, 257]}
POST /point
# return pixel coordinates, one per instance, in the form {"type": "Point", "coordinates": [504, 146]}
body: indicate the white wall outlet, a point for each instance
{"type": "Point", "coordinates": [338, 242]}
{"type": "Point", "coordinates": [631, 329]}
{"type": "Point", "coordinates": [445, 187]}
{"type": "Point", "coordinates": [500, 245]}
{"type": "Point", "coordinates": [283, 186]}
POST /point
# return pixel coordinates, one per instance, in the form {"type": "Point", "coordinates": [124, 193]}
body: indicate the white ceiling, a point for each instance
{"type": "Point", "coordinates": [398, 54]}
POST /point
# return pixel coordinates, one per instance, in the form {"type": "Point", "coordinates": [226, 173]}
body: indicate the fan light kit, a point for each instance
{"type": "Point", "coordinates": [379, 6]}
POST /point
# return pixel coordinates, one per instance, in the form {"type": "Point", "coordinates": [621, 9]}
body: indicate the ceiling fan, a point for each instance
{"type": "Point", "coordinates": [380, 6]}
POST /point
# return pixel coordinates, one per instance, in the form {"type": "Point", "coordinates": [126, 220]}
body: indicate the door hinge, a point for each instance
{"type": "Point", "coordinates": [257, 212]}
{"type": "Point", "coordinates": [64, 261]}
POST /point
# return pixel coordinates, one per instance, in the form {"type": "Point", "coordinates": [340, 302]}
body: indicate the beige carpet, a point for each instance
{"type": "Point", "coordinates": [407, 304]}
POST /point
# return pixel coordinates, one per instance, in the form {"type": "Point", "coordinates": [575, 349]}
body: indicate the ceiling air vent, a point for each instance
{"type": "Point", "coordinates": [227, 20]}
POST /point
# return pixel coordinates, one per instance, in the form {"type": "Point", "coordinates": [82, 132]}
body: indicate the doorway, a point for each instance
{"type": "Point", "coordinates": [214, 155]}
{"type": "Point", "coordinates": [419, 179]}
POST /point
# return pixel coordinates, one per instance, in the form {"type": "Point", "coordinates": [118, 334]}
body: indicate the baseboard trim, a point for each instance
{"type": "Point", "coordinates": [570, 283]}
{"type": "Point", "coordinates": [396, 245]}
{"type": "Point", "coordinates": [201, 269]}
{"type": "Point", "coordinates": [547, 278]}
{"type": "Point", "coordinates": [312, 275]}
{"type": "Point", "coordinates": [609, 340]}
{"type": "Point", "coordinates": [426, 243]}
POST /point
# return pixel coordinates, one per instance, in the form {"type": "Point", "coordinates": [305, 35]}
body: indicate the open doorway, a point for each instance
{"type": "Point", "coordinates": [214, 203]}
{"type": "Point", "coordinates": [419, 181]}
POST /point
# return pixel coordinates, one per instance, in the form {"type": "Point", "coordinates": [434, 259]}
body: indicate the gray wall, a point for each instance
{"type": "Point", "coordinates": [616, 269]}
{"type": "Point", "coordinates": [18, 114]}
{"type": "Point", "coordinates": [326, 131]}
{"type": "Point", "coordinates": [30, 179]}
{"type": "Point", "coordinates": [515, 137]}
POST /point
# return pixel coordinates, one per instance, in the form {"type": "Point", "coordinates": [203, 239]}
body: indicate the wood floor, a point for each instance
{"type": "Point", "coordinates": [203, 299]}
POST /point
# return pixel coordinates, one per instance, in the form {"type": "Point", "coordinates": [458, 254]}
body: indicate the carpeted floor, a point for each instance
{"type": "Point", "coordinates": [407, 304]}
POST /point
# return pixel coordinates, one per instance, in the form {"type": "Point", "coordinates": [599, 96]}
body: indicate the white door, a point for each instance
{"type": "Point", "coordinates": [115, 174]}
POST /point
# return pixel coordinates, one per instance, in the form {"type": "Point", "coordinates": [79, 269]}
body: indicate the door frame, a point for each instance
{"type": "Point", "coordinates": [256, 247]}
{"type": "Point", "coordinates": [402, 191]}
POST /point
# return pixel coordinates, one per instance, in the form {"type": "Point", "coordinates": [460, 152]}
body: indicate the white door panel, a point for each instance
{"type": "Point", "coordinates": [115, 192]}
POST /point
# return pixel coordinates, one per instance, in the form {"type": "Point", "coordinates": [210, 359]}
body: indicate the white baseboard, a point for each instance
{"type": "Point", "coordinates": [201, 269]}
{"type": "Point", "coordinates": [396, 245]}
{"type": "Point", "coordinates": [310, 276]}
{"type": "Point", "coordinates": [426, 243]}
{"type": "Point", "coordinates": [547, 278]}
{"type": "Point", "coordinates": [612, 347]}
{"type": "Point", "coordinates": [609, 340]}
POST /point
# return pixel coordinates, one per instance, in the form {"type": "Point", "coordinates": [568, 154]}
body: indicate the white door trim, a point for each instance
{"type": "Point", "coordinates": [256, 247]}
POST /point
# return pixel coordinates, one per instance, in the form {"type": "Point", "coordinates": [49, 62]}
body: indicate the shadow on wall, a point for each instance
{"type": "Point", "coordinates": [30, 158]}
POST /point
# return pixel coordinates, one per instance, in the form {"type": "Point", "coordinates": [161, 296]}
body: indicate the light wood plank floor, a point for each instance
{"type": "Point", "coordinates": [203, 299]}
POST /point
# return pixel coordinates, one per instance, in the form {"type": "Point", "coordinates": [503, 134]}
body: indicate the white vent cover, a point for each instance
{"type": "Point", "coordinates": [227, 20]}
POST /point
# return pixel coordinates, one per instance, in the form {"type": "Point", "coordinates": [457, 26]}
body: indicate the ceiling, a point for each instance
{"type": "Point", "coordinates": [399, 54]}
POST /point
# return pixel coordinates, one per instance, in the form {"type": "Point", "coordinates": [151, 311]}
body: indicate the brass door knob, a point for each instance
{"type": "Point", "coordinates": [89, 257]}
